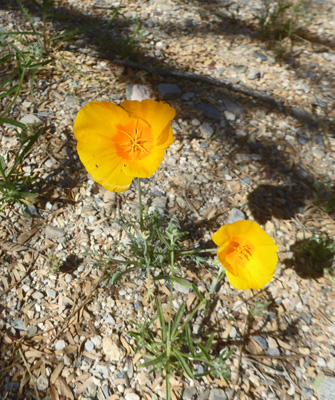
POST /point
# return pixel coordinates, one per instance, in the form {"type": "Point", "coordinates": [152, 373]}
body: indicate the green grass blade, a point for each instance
{"type": "Point", "coordinates": [183, 363]}
{"type": "Point", "coordinates": [161, 319]}
{"type": "Point", "coordinates": [12, 122]}
{"type": "Point", "coordinates": [9, 91]}
{"type": "Point", "coordinates": [189, 340]}
{"type": "Point", "coordinates": [157, 361]}
{"type": "Point", "coordinates": [177, 320]}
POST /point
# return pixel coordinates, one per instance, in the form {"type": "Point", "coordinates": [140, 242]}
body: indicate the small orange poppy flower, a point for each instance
{"type": "Point", "coordinates": [247, 253]}
{"type": "Point", "coordinates": [118, 143]}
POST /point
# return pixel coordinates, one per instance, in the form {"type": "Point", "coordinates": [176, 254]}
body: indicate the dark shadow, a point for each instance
{"type": "Point", "coordinates": [71, 263]}
{"type": "Point", "coordinates": [269, 201]}
{"type": "Point", "coordinates": [312, 257]}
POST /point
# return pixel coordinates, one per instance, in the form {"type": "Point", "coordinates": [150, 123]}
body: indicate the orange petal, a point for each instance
{"type": "Point", "coordinates": [98, 118]}
{"type": "Point", "coordinates": [157, 114]}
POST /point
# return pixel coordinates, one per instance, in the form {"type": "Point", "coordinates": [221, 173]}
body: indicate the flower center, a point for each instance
{"type": "Point", "coordinates": [240, 252]}
{"type": "Point", "coordinates": [135, 140]}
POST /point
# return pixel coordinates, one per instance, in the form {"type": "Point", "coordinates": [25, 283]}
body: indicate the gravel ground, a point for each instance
{"type": "Point", "coordinates": [254, 139]}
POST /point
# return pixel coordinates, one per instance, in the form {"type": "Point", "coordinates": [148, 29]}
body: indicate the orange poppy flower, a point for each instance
{"type": "Point", "coordinates": [247, 253]}
{"type": "Point", "coordinates": [118, 143]}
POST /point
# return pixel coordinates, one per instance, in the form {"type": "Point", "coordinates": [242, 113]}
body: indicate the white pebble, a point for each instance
{"type": "Point", "coordinates": [60, 344]}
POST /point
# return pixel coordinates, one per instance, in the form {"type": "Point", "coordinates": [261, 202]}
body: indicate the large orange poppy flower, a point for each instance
{"type": "Point", "coordinates": [118, 143]}
{"type": "Point", "coordinates": [247, 253]}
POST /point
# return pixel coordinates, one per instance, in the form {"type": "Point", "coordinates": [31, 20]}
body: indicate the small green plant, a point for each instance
{"type": "Point", "coordinates": [54, 263]}
{"type": "Point", "coordinates": [15, 186]}
{"type": "Point", "coordinates": [317, 253]}
{"type": "Point", "coordinates": [282, 19]}
{"type": "Point", "coordinates": [325, 195]}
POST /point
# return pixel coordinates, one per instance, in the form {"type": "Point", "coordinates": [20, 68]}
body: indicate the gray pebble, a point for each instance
{"type": "Point", "coordinates": [235, 215]}
{"type": "Point", "coordinates": [53, 232]}
{"type": "Point", "coordinates": [209, 111]}
{"type": "Point", "coordinates": [254, 74]}
{"type": "Point", "coordinates": [168, 91]}
{"type": "Point", "coordinates": [68, 278]}
{"type": "Point", "coordinates": [260, 55]}
{"type": "Point", "coordinates": [51, 293]}
{"type": "Point", "coordinates": [11, 386]}
{"type": "Point", "coordinates": [321, 362]}
{"type": "Point", "coordinates": [30, 119]}
{"type": "Point", "coordinates": [204, 395]}
{"type": "Point", "coordinates": [261, 341]}
{"type": "Point", "coordinates": [273, 352]}
{"type": "Point", "coordinates": [60, 344]}
{"type": "Point", "coordinates": [302, 140]}
{"type": "Point", "coordinates": [187, 96]}
{"type": "Point", "coordinates": [189, 393]}
{"type": "Point", "coordinates": [206, 130]}
{"type": "Point", "coordinates": [42, 383]}
{"type": "Point", "coordinates": [30, 210]}
{"type": "Point", "coordinates": [89, 346]}
{"type": "Point", "coordinates": [217, 394]}
{"type": "Point", "coordinates": [239, 68]}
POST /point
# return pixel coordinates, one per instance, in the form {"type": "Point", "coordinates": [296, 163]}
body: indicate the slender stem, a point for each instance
{"type": "Point", "coordinates": [217, 280]}
{"type": "Point", "coordinates": [171, 295]}
{"type": "Point", "coordinates": [140, 205]}
{"type": "Point", "coordinates": [190, 252]}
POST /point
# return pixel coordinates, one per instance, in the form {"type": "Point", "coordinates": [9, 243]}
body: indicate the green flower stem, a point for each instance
{"type": "Point", "coordinates": [171, 297]}
{"type": "Point", "coordinates": [191, 252]}
{"type": "Point", "coordinates": [188, 319]}
{"type": "Point", "coordinates": [140, 205]}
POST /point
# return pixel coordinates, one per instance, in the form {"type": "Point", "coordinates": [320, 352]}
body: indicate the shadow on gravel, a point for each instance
{"type": "Point", "coordinates": [313, 257]}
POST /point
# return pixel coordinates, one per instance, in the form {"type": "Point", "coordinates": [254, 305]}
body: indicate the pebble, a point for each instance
{"type": "Point", "coordinates": [235, 215]}
{"type": "Point", "coordinates": [42, 383]}
{"type": "Point", "coordinates": [112, 350]}
{"type": "Point", "coordinates": [68, 278]}
{"type": "Point", "coordinates": [30, 119]}
{"type": "Point", "coordinates": [51, 293]}
{"type": "Point", "coordinates": [60, 345]}
{"type": "Point", "coordinates": [187, 96]}
{"type": "Point", "coordinates": [139, 92]}
{"type": "Point", "coordinates": [217, 394]}
{"type": "Point", "coordinates": [204, 395]}
{"type": "Point", "coordinates": [232, 106]}
{"type": "Point", "coordinates": [89, 345]}
{"type": "Point", "coordinates": [53, 232]}
{"type": "Point", "coordinates": [30, 210]}
{"type": "Point", "coordinates": [11, 387]}
{"type": "Point", "coordinates": [209, 111]}
{"type": "Point", "coordinates": [261, 341]}
{"type": "Point", "coordinates": [132, 396]}
{"type": "Point", "coordinates": [189, 393]}
{"type": "Point", "coordinates": [260, 55]}
{"type": "Point", "coordinates": [168, 91]}
{"type": "Point", "coordinates": [254, 74]}
{"type": "Point", "coordinates": [206, 130]}
{"type": "Point", "coordinates": [321, 362]}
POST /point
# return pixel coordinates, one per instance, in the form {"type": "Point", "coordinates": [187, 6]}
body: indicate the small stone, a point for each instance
{"type": "Point", "coordinates": [303, 115]}
{"type": "Point", "coordinates": [230, 116]}
{"type": "Point", "coordinates": [187, 96]}
{"type": "Point", "coordinates": [51, 293]}
{"type": "Point", "coordinates": [235, 215]}
{"type": "Point", "coordinates": [189, 393]}
{"type": "Point", "coordinates": [37, 295]}
{"type": "Point", "coordinates": [30, 210]}
{"type": "Point", "coordinates": [138, 92]}
{"type": "Point", "coordinates": [273, 352]}
{"type": "Point", "coordinates": [30, 119]}
{"type": "Point", "coordinates": [233, 333]}
{"type": "Point", "coordinates": [42, 383]}
{"type": "Point", "coordinates": [53, 232]}
{"type": "Point", "coordinates": [113, 351]}
{"type": "Point", "coordinates": [217, 394]}
{"type": "Point", "coordinates": [302, 140]}
{"type": "Point", "coordinates": [132, 396]}
{"type": "Point", "coordinates": [254, 74]}
{"type": "Point", "coordinates": [110, 320]}
{"type": "Point", "coordinates": [260, 55]}
{"type": "Point", "coordinates": [11, 387]}
{"type": "Point", "coordinates": [203, 395]}
{"type": "Point", "coordinates": [89, 346]}
{"type": "Point", "coordinates": [328, 57]}
{"type": "Point", "coordinates": [32, 330]}
{"type": "Point", "coordinates": [49, 164]}
{"type": "Point", "coordinates": [206, 130]}
{"type": "Point", "coordinates": [240, 68]}
{"type": "Point", "coordinates": [168, 91]}
{"type": "Point", "coordinates": [209, 111]}
{"type": "Point", "coordinates": [321, 362]}
{"type": "Point", "coordinates": [181, 202]}
{"type": "Point", "coordinates": [232, 106]}
{"type": "Point", "coordinates": [68, 278]}
{"type": "Point", "coordinates": [60, 345]}
{"type": "Point", "coordinates": [261, 341]}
